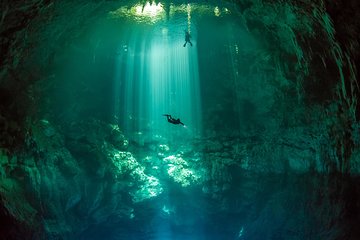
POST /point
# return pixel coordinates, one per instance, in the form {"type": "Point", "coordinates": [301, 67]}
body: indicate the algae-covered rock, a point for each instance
{"type": "Point", "coordinates": [178, 169]}
{"type": "Point", "coordinates": [213, 146]}
{"type": "Point", "coordinates": [117, 138]}
{"type": "Point", "coordinates": [145, 186]}
{"type": "Point", "coordinates": [47, 129]}
{"type": "Point", "coordinates": [182, 175]}
{"type": "Point", "coordinates": [17, 204]}
{"type": "Point", "coordinates": [148, 187]}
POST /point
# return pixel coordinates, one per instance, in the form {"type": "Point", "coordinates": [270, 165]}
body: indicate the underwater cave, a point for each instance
{"type": "Point", "coordinates": [179, 120]}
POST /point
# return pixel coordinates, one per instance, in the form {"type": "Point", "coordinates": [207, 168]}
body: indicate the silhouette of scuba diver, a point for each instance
{"type": "Point", "coordinates": [187, 38]}
{"type": "Point", "coordinates": [173, 120]}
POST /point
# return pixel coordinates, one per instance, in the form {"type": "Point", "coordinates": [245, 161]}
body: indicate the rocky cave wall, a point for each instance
{"type": "Point", "coordinates": [314, 129]}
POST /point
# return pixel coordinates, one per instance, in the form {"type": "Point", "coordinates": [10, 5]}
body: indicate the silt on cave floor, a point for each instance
{"type": "Point", "coordinates": [267, 92]}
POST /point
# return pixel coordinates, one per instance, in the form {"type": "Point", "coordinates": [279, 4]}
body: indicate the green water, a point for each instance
{"type": "Point", "coordinates": [264, 152]}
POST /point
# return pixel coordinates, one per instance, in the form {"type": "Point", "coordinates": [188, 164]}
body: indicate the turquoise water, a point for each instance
{"type": "Point", "coordinates": [139, 70]}
{"type": "Point", "coordinates": [249, 161]}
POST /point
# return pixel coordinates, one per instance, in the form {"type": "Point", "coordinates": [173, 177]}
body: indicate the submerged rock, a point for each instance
{"type": "Point", "coordinates": [178, 169]}
{"type": "Point", "coordinates": [144, 186]}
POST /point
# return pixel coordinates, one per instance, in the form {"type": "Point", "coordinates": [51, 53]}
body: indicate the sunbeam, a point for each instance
{"type": "Point", "coordinates": [157, 76]}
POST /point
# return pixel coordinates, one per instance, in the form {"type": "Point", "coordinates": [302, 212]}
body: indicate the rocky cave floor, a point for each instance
{"type": "Point", "coordinates": [94, 182]}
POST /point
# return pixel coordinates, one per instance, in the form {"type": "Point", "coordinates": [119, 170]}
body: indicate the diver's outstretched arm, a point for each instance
{"type": "Point", "coordinates": [168, 117]}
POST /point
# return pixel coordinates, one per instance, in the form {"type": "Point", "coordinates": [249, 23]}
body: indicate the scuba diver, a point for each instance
{"type": "Point", "coordinates": [173, 120]}
{"type": "Point", "coordinates": [187, 38]}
